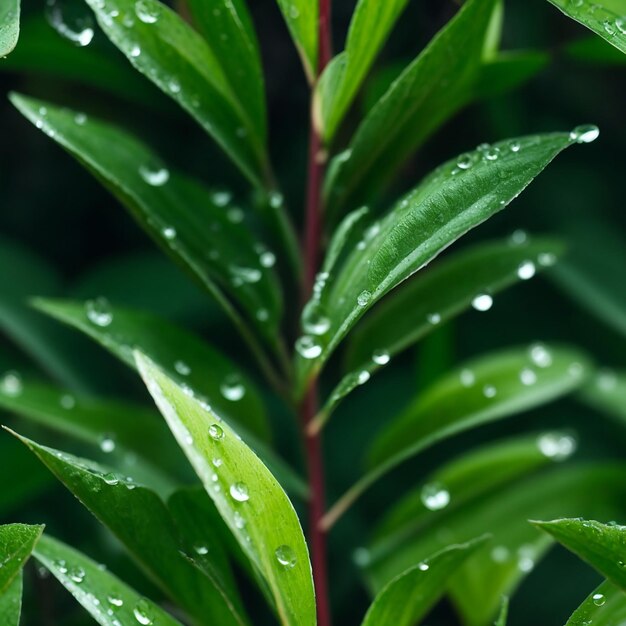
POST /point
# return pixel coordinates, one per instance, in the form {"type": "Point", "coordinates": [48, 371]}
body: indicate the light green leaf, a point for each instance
{"type": "Point", "coordinates": [107, 599]}
{"type": "Point", "coordinates": [432, 298]}
{"type": "Point", "coordinates": [11, 603]}
{"type": "Point", "coordinates": [603, 546]}
{"type": "Point", "coordinates": [497, 568]}
{"type": "Point", "coordinates": [186, 357]}
{"type": "Point", "coordinates": [439, 82]}
{"type": "Point", "coordinates": [123, 506]}
{"type": "Point", "coordinates": [302, 17]}
{"type": "Point", "coordinates": [407, 599]}
{"type": "Point", "coordinates": [491, 387]}
{"type": "Point", "coordinates": [248, 497]}
{"type": "Point", "coordinates": [448, 203]}
{"type": "Point", "coordinates": [9, 26]}
{"type": "Point", "coordinates": [371, 23]}
{"type": "Point", "coordinates": [191, 225]}
{"type": "Point", "coordinates": [16, 544]}
{"type": "Point", "coordinates": [163, 47]}
{"type": "Point", "coordinates": [605, 606]}
{"type": "Point", "coordinates": [504, 613]}
{"type": "Point", "coordinates": [606, 18]}
{"type": "Point", "coordinates": [606, 392]}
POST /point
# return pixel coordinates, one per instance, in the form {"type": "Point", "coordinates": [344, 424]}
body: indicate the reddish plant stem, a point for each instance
{"type": "Point", "coordinates": [312, 249]}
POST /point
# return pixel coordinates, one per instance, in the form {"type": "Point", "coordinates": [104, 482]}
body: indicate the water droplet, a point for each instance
{"type": "Point", "coordinates": [239, 520]}
{"type": "Point", "coordinates": [362, 557]}
{"type": "Point", "coordinates": [239, 492]}
{"type": "Point", "coordinates": [526, 270]}
{"type": "Point", "coordinates": [491, 154]}
{"type": "Point", "coordinates": [200, 549]}
{"type": "Point", "coordinates": [500, 554]}
{"type": "Point", "coordinates": [546, 259]}
{"type": "Point", "coordinates": [609, 27]}
{"type": "Point", "coordinates": [515, 146]}
{"type": "Point", "coordinates": [111, 479]}
{"type": "Point", "coordinates": [467, 377]}
{"type": "Point", "coordinates": [232, 388]}
{"type": "Point", "coordinates": [606, 380]}
{"type": "Point", "coordinates": [276, 199]}
{"type": "Point", "coordinates": [482, 302]}
{"type": "Point", "coordinates": [556, 446]}
{"type": "Point", "coordinates": [73, 26]}
{"type": "Point", "coordinates": [267, 259]}
{"type": "Point", "coordinates": [363, 377]}
{"type": "Point", "coordinates": [364, 298]}
{"type": "Point", "coordinates": [528, 377]}
{"type": "Point", "coordinates": [61, 565]}
{"type": "Point", "coordinates": [216, 432]}
{"type": "Point", "coordinates": [423, 567]}
{"type": "Point", "coordinates": [76, 575]}
{"type": "Point", "coordinates": [518, 237]}
{"type": "Point", "coordinates": [540, 356]}
{"type": "Point", "coordinates": [169, 232]}
{"type": "Point", "coordinates": [147, 11]}
{"type": "Point", "coordinates": [114, 600]}
{"type": "Point", "coordinates": [11, 384]}
{"type": "Point", "coordinates": [135, 51]}
{"type": "Point", "coordinates": [433, 318]}
{"type": "Point", "coordinates": [308, 348]}
{"type": "Point", "coordinates": [80, 119]}
{"type": "Point", "coordinates": [173, 85]}
{"type": "Point", "coordinates": [489, 391]}
{"type": "Point", "coordinates": [585, 133]}
{"type": "Point", "coordinates": [107, 443]}
{"type": "Point", "coordinates": [143, 613]}
{"type": "Point", "coordinates": [286, 557]}
{"type": "Point", "coordinates": [620, 24]}
{"type": "Point", "coordinates": [156, 177]}
{"type": "Point", "coordinates": [99, 312]}
{"type": "Point", "coordinates": [314, 319]}
{"type": "Point", "coordinates": [598, 599]}
{"type": "Point", "coordinates": [182, 368]}
{"type": "Point", "coordinates": [381, 357]}
{"type": "Point", "coordinates": [465, 161]}
{"type": "Point", "coordinates": [294, 12]}
{"type": "Point", "coordinates": [221, 198]}
{"type": "Point", "coordinates": [243, 275]}
{"type": "Point", "coordinates": [435, 496]}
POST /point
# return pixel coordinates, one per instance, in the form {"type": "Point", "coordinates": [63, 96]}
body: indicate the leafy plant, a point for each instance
{"type": "Point", "coordinates": [217, 536]}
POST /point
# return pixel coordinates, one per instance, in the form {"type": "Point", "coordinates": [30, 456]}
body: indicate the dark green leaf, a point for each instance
{"type": "Point", "coordinates": [605, 606]}
{"type": "Point", "coordinates": [592, 49]}
{"type": "Point", "coordinates": [449, 202]}
{"type": "Point", "coordinates": [603, 546]}
{"type": "Point", "coordinates": [248, 497]}
{"type": "Point", "coordinates": [193, 226]}
{"type": "Point", "coordinates": [163, 47]}
{"type": "Point", "coordinates": [407, 599]}
{"type": "Point", "coordinates": [9, 26]}
{"type": "Point", "coordinates": [491, 387]}
{"type": "Point", "coordinates": [107, 599]}
{"type": "Point", "coordinates": [508, 70]}
{"type": "Point", "coordinates": [16, 543]}
{"type": "Point", "coordinates": [439, 82]}
{"type": "Point", "coordinates": [123, 506]}
{"type": "Point", "coordinates": [606, 18]}
{"type": "Point", "coordinates": [11, 603]}
{"type": "Point", "coordinates": [371, 23]}
{"type": "Point", "coordinates": [504, 613]}
{"type": "Point", "coordinates": [302, 17]}
{"type": "Point", "coordinates": [434, 297]}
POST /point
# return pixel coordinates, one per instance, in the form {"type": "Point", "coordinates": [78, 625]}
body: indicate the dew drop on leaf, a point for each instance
{"type": "Point", "coordinates": [585, 133]}
{"type": "Point", "coordinates": [232, 388]}
{"type": "Point", "coordinates": [307, 347]}
{"type": "Point", "coordinates": [239, 492]}
{"type": "Point", "coordinates": [200, 549]}
{"type": "Point", "coordinates": [156, 177]}
{"type": "Point", "coordinates": [467, 377]}
{"type": "Point", "coordinates": [286, 557]}
{"type": "Point", "coordinates": [526, 270]}
{"type": "Point", "coordinates": [465, 161]}
{"type": "Point", "coordinates": [423, 567]}
{"type": "Point", "coordinates": [556, 446]}
{"type": "Point", "coordinates": [435, 496]}
{"type": "Point", "coordinates": [99, 311]}
{"type": "Point", "coordinates": [598, 599]}
{"type": "Point", "coordinates": [143, 613]}
{"type": "Point", "coordinates": [364, 298]}
{"type": "Point", "coordinates": [71, 25]}
{"type": "Point", "coordinates": [11, 384]}
{"type": "Point", "coordinates": [216, 432]}
{"type": "Point", "coordinates": [111, 479]}
{"type": "Point", "coordinates": [433, 318]}
{"type": "Point", "coordinates": [182, 368]}
{"type": "Point", "coordinates": [76, 575]}
{"type": "Point", "coordinates": [528, 377]}
{"type": "Point", "coordinates": [489, 391]}
{"type": "Point", "coordinates": [540, 356]}
{"type": "Point", "coordinates": [381, 357]}
{"type": "Point", "coordinates": [115, 601]}
{"type": "Point", "coordinates": [147, 11]}
{"type": "Point", "coordinates": [482, 302]}
{"type": "Point", "coordinates": [107, 443]}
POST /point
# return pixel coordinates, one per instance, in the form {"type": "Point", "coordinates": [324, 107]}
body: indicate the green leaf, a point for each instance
{"type": "Point", "coordinates": [504, 612]}
{"type": "Point", "coordinates": [603, 546]}
{"type": "Point", "coordinates": [434, 297]}
{"type": "Point", "coordinates": [448, 203]}
{"type": "Point", "coordinates": [302, 17]}
{"type": "Point", "coordinates": [186, 357]}
{"type": "Point", "coordinates": [163, 47]}
{"type": "Point", "coordinates": [107, 599]}
{"type": "Point", "coordinates": [11, 603]}
{"type": "Point", "coordinates": [605, 606]}
{"type": "Point", "coordinates": [248, 497]}
{"type": "Point", "coordinates": [497, 568]}
{"type": "Point", "coordinates": [606, 392]}
{"type": "Point", "coordinates": [9, 26]}
{"type": "Point", "coordinates": [606, 18]}
{"type": "Point", "coordinates": [439, 82]}
{"type": "Point", "coordinates": [123, 506]}
{"type": "Point", "coordinates": [16, 544]}
{"type": "Point", "coordinates": [594, 50]}
{"type": "Point", "coordinates": [370, 26]}
{"type": "Point", "coordinates": [116, 428]}
{"type": "Point", "coordinates": [190, 224]}
{"type": "Point", "coordinates": [489, 388]}
{"type": "Point", "coordinates": [407, 599]}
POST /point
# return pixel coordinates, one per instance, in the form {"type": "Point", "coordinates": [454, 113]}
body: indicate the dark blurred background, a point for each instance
{"type": "Point", "coordinates": [51, 208]}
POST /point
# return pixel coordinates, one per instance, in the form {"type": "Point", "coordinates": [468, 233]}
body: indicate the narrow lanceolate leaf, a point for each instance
{"type": "Point", "coordinates": [606, 392]}
{"type": "Point", "coordinates": [432, 298]}
{"type": "Point", "coordinates": [302, 17]}
{"type": "Point", "coordinates": [605, 606]}
{"type": "Point", "coordinates": [16, 544]}
{"type": "Point", "coordinates": [11, 602]}
{"type": "Point", "coordinates": [163, 47]}
{"type": "Point", "coordinates": [504, 613]}
{"type": "Point", "coordinates": [9, 25]}
{"type": "Point", "coordinates": [186, 357]}
{"type": "Point", "coordinates": [124, 506]}
{"type": "Point", "coordinates": [455, 198]}
{"type": "Point", "coordinates": [248, 497]}
{"type": "Point", "coordinates": [603, 546]}
{"type": "Point", "coordinates": [116, 428]}
{"type": "Point", "coordinates": [433, 87]}
{"type": "Point", "coordinates": [497, 568]}
{"type": "Point", "coordinates": [409, 597]}
{"type": "Point", "coordinates": [369, 28]}
{"type": "Point", "coordinates": [492, 387]}
{"type": "Point", "coordinates": [107, 599]}
{"type": "Point", "coordinates": [606, 18]}
{"type": "Point", "coordinates": [193, 226]}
